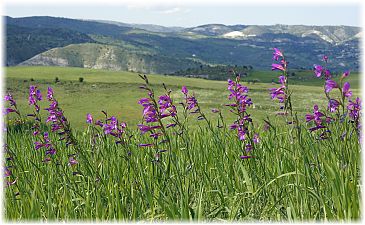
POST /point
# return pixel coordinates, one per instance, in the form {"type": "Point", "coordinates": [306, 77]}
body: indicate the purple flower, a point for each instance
{"type": "Point", "coordinates": [145, 145]}
{"type": "Point", "coordinates": [143, 128]}
{"type": "Point", "coordinates": [248, 147]}
{"type": "Point", "coordinates": [330, 84]}
{"type": "Point", "coordinates": [166, 104]}
{"type": "Point", "coordinates": [256, 138]}
{"type": "Point", "coordinates": [72, 161]}
{"type": "Point", "coordinates": [246, 156]}
{"type": "Point", "coordinates": [184, 90]}
{"type": "Point", "coordinates": [38, 145]}
{"type": "Point", "coordinates": [277, 67]}
{"type": "Point", "coordinates": [191, 102]}
{"type": "Point", "coordinates": [325, 58]}
{"type": "Point", "coordinates": [333, 105]}
{"type": "Point", "coordinates": [318, 70]}
{"type": "Point", "coordinates": [345, 74]}
{"type": "Point", "coordinates": [277, 53]}
{"type": "Point", "coordinates": [7, 172]}
{"type": "Point", "coordinates": [354, 108]}
{"type": "Point", "coordinates": [89, 118]}
{"type": "Point", "coordinates": [278, 93]}
{"type": "Point", "coordinates": [282, 80]}
{"type": "Point", "coordinates": [316, 128]}
{"type": "Point", "coordinates": [214, 110]}
{"type": "Point", "coordinates": [34, 96]}
{"type": "Point", "coordinates": [150, 114]}
{"type": "Point", "coordinates": [50, 94]}
{"type": "Point", "coordinates": [170, 125]}
{"type": "Point", "coordinates": [346, 90]}
{"type": "Point", "coordinates": [144, 102]}
{"type": "Point", "coordinates": [327, 74]}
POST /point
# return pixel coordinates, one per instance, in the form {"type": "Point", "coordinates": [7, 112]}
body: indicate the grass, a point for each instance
{"type": "Point", "coordinates": [200, 178]}
{"type": "Point", "coordinates": [118, 92]}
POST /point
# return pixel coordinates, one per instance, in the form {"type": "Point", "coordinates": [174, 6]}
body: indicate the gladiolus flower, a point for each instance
{"type": "Point", "coordinates": [330, 84]}
{"type": "Point", "coordinates": [318, 70]}
{"type": "Point", "coordinates": [277, 67]}
{"type": "Point", "coordinates": [89, 118]}
{"type": "Point", "coordinates": [346, 90]}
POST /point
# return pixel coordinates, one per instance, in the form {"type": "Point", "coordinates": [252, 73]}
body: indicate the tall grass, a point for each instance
{"type": "Point", "coordinates": [292, 173]}
{"type": "Point", "coordinates": [305, 180]}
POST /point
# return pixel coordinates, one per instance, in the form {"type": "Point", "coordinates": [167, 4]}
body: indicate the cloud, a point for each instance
{"type": "Point", "coordinates": [174, 10]}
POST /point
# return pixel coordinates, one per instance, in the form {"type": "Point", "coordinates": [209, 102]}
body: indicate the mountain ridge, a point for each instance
{"type": "Point", "coordinates": [163, 49]}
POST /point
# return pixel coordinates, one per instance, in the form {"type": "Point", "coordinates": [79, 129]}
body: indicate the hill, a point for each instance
{"type": "Point", "coordinates": [175, 49]}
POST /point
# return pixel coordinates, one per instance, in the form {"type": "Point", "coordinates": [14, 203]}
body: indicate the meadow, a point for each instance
{"type": "Point", "coordinates": [183, 162]}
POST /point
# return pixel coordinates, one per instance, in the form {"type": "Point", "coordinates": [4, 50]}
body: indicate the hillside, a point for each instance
{"type": "Point", "coordinates": [157, 49]}
{"type": "Point", "coordinates": [99, 56]}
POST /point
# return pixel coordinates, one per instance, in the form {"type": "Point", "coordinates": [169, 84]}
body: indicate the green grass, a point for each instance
{"type": "Point", "coordinates": [200, 178]}
{"type": "Point", "coordinates": [118, 92]}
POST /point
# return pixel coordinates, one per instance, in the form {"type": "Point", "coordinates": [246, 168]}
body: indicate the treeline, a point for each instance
{"type": "Point", "coordinates": [221, 72]}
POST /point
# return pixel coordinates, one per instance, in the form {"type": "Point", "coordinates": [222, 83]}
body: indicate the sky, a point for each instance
{"type": "Point", "coordinates": [194, 15]}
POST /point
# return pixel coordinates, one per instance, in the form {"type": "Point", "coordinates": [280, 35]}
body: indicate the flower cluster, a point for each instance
{"type": "Point", "coordinates": [58, 121]}
{"type": "Point", "coordinates": [191, 103]}
{"type": "Point", "coordinates": [111, 127]}
{"type": "Point", "coordinates": [8, 174]}
{"type": "Point", "coordinates": [281, 93]}
{"type": "Point", "coordinates": [34, 96]}
{"type": "Point", "coordinates": [154, 112]}
{"type": "Point", "coordinates": [46, 144]}
{"type": "Point", "coordinates": [319, 118]}
{"type": "Point", "coordinates": [238, 93]}
{"type": "Point", "coordinates": [13, 108]}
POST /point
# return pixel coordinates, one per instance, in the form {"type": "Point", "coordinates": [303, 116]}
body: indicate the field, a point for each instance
{"type": "Point", "coordinates": [200, 171]}
{"type": "Point", "coordinates": [117, 92]}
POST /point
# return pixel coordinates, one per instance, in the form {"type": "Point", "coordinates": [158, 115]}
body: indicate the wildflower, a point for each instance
{"type": "Point", "coordinates": [346, 90]}
{"type": "Point", "coordinates": [318, 70]}
{"type": "Point", "coordinates": [145, 145]}
{"type": "Point", "coordinates": [325, 58]}
{"type": "Point", "coordinates": [256, 138]}
{"type": "Point", "coordinates": [248, 147]}
{"type": "Point", "coordinates": [13, 107]}
{"type": "Point", "coordinates": [277, 67]}
{"type": "Point", "coordinates": [144, 128]}
{"type": "Point", "coordinates": [34, 96]}
{"type": "Point", "coordinates": [184, 90]}
{"type": "Point", "coordinates": [327, 74]}
{"type": "Point", "coordinates": [333, 105]}
{"type": "Point", "coordinates": [277, 53]}
{"type": "Point", "coordinates": [354, 108]}
{"type": "Point", "coordinates": [89, 118]}
{"type": "Point", "coordinates": [50, 94]}
{"type": "Point", "coordinates": [7, 172]}
{"type": "Point", "coordinates": [330, 84]}
{"type": "Point", "coordinates": [278, 93]}
{"type": "Point", "coordinates": [72, 161]}
{"type": "Point", "coordinates": [246, 156]}
{"type": "Point", "coordinates": [319, 119]}
{"type": "Point", "coordinates": [214, 110]}
{"type": "Point", "coordinates": [345, 74]}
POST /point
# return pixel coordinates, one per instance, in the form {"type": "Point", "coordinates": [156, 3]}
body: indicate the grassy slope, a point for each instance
{"type": "Point", "coordinates": [118, 92]}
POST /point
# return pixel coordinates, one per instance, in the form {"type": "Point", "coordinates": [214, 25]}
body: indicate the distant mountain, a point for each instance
{"type": "Point", "coordinates": [23, 43]}
{"type": "Point", "coordinates": [158, 49]}
{"type": "Point", "coordinates": [147, 27]}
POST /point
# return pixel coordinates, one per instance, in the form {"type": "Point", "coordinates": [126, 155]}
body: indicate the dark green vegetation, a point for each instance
{"type": "Point", "coordinates": [294, 176]}
{"type": "Point", "coordinates": [23, 43]}
{"type": "Point", "coordinates": [124, 47]}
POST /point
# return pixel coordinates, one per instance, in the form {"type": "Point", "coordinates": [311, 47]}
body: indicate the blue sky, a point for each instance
{"type": "Point", "coordinates": [188, 16]}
